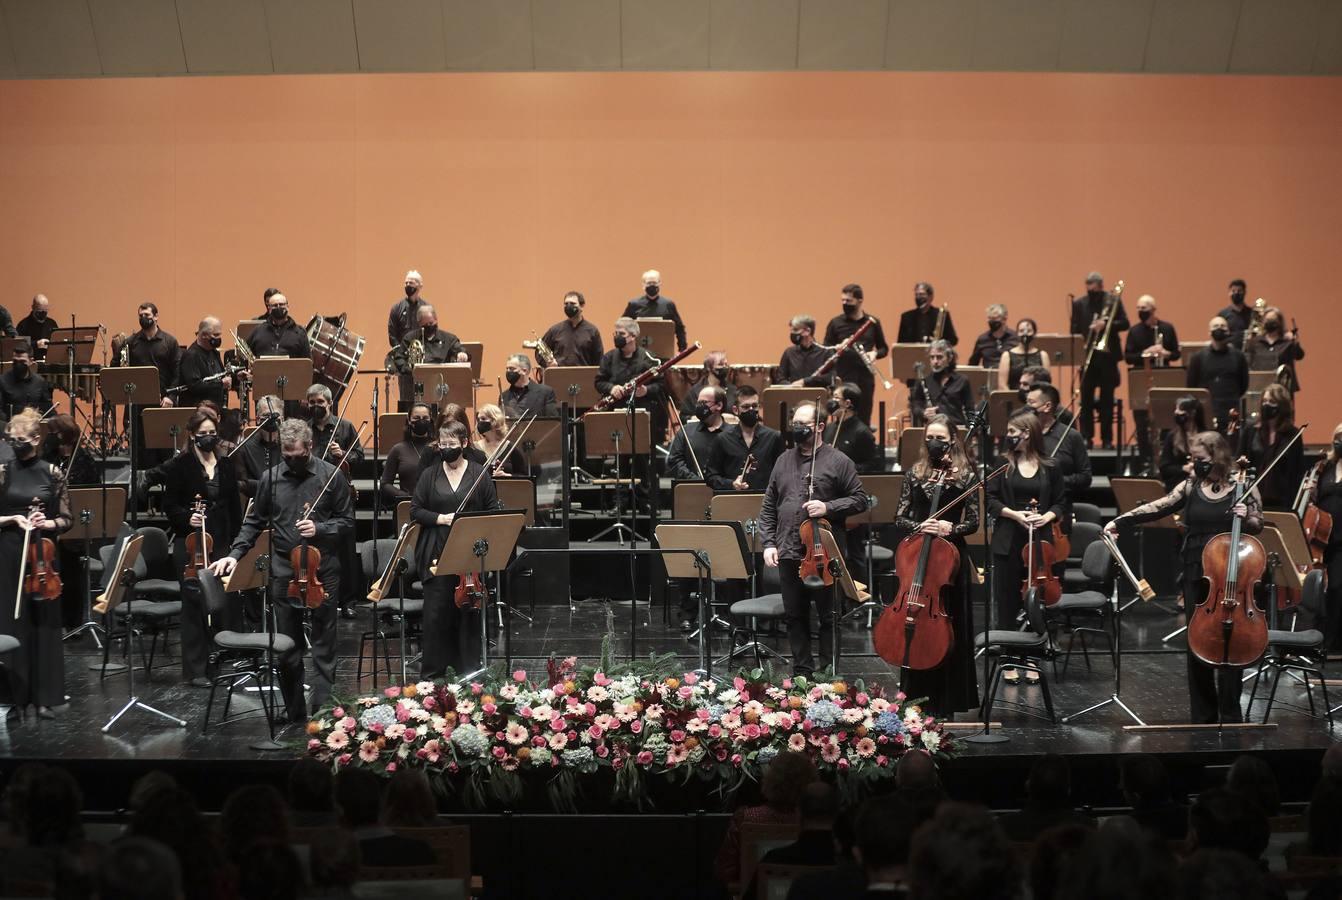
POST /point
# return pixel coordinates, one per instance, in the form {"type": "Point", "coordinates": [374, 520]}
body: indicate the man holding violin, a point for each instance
{"type": "Point", "coordinates": [810, 483]}
{"type": "Point", "coordinates": [304, 506]}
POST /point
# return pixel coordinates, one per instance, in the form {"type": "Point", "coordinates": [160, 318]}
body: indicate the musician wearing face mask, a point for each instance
{"type": "Point", "coordinates": [199, 474]}
{"type": "Point", "coordinates": [652, 305]}
{"type": "Point", "coordinates": [997, 340]}
{"type": "Point", "coordinates": [1276, 349]}
{"type": "Point", "coordinates": [687, 457]}
{"type": "Point", "coordinates": [1151, 344]}
{"type": "Point", "coordinates": [261, 452]}
{"type": "Point", "coordinates": [750, 439]}
{"type": "Point", "coordinates": [21, 386]}
{"type": "Point", "coordinates": [1023, 355]}
{"type": "Point", "coordinates": [574, 341]}
{"type": "Point", "coordinates": [850, 367]}
{"type": "Point", "coordinates": [439, 346]}
{"type": "Point", "coordinates": [279, 335]}
{"type": "Point", "coordinates": [451, 637]}
{"type": "Point", "coordinates": [281, 497]}
{"type": "Point", "coordinates": [952, 686]}
{"type": "Point", "coordinates": [152, 346]}
{"type": "Point", "coordinates": [64, 449]}
{"type": "Point", "coordinates": [848, 434]}
{"type": "Point", "coordinates": [202, 372]}
{"type": "Point", "coordinates": [1261, 441]}
{"type": "Point", "coordinates": [491, 425]}
{"type": "Point", "coordinates": [400, 473]}
{"type": "Point", "coordinates": [919, 325]}
{"type": "Point", "coordinates": [1327, 493]}
{"type": "Point", "coordinates": [1239, 314]}
{"type": "Point", "coordinates": [799, 362]}
{"type": "Point", "coordinates": [37, 327]}
{"type": "Point", "coordinates": [943, 391]}
{"type": "Point", "coordinates": [1176, 463]}
{"type": "Point", "coordinates": [450, 412]}
{"type": "Point", "coordinates": [404, 315]}
{"type": "Point", "coordinates": [1221, 369]}
{"type": "Point", "coordinates": [336, 439]}
{"type": "Point", "coordinates": [524, 395]}
{"type": "Point", "coordinates": [789, 499]}
{"type": "Point", "coordinates": [622, 365]}
{"type": "Point", "coordinates": [716, 374]}
{"type": "Point", "coordinates": [1061, 444]}
{"type": "Point", "coordinates": [1089, 318]}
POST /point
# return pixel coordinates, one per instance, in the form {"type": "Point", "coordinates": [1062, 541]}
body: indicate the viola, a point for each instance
{"type": "Point", "coordinates": [41, 580]}
{"type": "Point", "coordinates": [814, 571]}
{"type": "Point", "coordinates": [915, 631]}
{"type": "Point", "coordinates": [471, 592]}
{"type": "Point", "coordinates": [199, 544]}
{"type": "Point", "coordinates": [305, 586]}
{"type": "Point", "coordinates": [1062, 544]}
{"type": "Point", "coordinates": [1227, 628]}
{"type": "Point", "coordinates": [1039, 559]}
{"type": "Point", "coordinates": [1317, 523]}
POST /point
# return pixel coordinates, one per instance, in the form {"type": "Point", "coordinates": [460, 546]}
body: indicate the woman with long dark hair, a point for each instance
{"type": "Point", "coordinates": [1264, 440]}
{"type": "Point", "coordinates": [1328, 496]}
{"type": "Point", "coordinates": [1175, 464]}
{"type": "Point", "coordinates": [1020, 357]}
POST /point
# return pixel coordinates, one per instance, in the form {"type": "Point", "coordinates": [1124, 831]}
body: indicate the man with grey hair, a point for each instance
{"type": "Point", "coordinates": [404, 312]}
{"type": "Point", "coordinates": [652, 305]}
{"type": "Point", "coordinates": [335, 440]}
{"type": "Point", "coordinates": [1088, 319]}
{"type": "Point", "coordinates": [201, 371]}
{"type": "Point", "coordinates": [622, 365]}
{"type": "Point", "coordinates": [37, 326]}
{"type": "Point", "coordinates": [260, 453]}
{"type": "Point", "coordinates": [522, 395]}
{"type": "Point", "coordinates": [998, 339]}
{"type": "Point", "coordinates": [799, 362]}
{"type": "Point", "coordinates": [439, 346]}
{"type": "Point", "coordinates": [283, 502]}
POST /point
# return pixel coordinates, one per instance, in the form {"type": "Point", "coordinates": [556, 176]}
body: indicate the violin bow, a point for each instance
{"type": "Point", "coordinates": [680, 424]}
{"type": "Point", "coordinates": [969, 489]}
{"type": "Point", "coordinates": [1058, 446]}
{"type": "Point", "coordinates": [504, 448]}
{"type": "Point", "coordinates": [335, 470]}
{"type": "Point", "coordinates": [1299, 433]}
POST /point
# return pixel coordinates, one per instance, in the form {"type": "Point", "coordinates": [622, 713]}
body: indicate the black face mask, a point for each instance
{"type": "Point", "coordinates": [1337, 446]}
{"type": "Point", "coordinates": [796, 339]}
{"type": "Point", "coordinates": [411, 290]}
{"type": "Point", "coordinates": [1272, 327]}
{"type": "Point", "coordinates": [214, 342]}
{"type": "Point", "coordinates": [937, 449]}
{"type": "Point", "coordinates": [571, 310]}
{"type": "Point", "coordinates": [1237, 298]}
{"type": "Point", "coordinates": [1026, 339]}
{"type": "Point", "coordinates": [1269, 410]}
{"type": "Point", "coordinates": [207, 442]}
{"type": "Point", "coordinates": [831, 406]}
{"type": "Point", "coordinates": [1023, 392]}
{"type": "Point", "coordinates": [40, 315]}
{"type": "Point", "coordinates": [1144, 315]}
{"type": "Point", "coordinates": [849, 308]}
{"type": "Point", "coordinates": [1220, 334]}
{"type": "Point", "coordinates": [993, 326]}
{"type": "Point", "coordinates": [1180, 418]}
{"type": "Point", "coordinates": [484, 426]}
{"type": "Point", "coordinates": [1095, 294]}
{"type": "Point", "coordinates": [721, 373]}
{"type": "Point", "coordinates": [449, 454]}
{"type": "Point", "coordinates": [703, 411]}
{"type": "Point", "coordinates": [279, 315]}
{"type": "Point", "coordinates": [1012, 441]}
{"type": "Point", "coordinates": [420, 427]}
{"type": "Point", "coordinates": [619, 341]}
{"type": "Point", "coordinates": [20, 369]}
{"type": "Point", "coordinates": [271, 424]}
{"type": "Point", "coordinates": [652, 290]}
{"type": "Point", "coordinates": [512, 376]}
{"type": "Point", "coordinates": [749, 417]}
{"type": "Point", "coordinates": [297, 464]}
{"type": "Point", "coordinates": [428, 331]}
{"type": "Point", "coordinates": [802, 434]}
{"type": "Point", "coordinates": [22, 449]}
{"type": "Point", "coordinates": [922, 301]}
{"type": "Point", "coordinates": [146, 321]}
{"type": "Point", "coordinates": [1202, 467]}
{"type": "Point", "coordinates": [317, 412]}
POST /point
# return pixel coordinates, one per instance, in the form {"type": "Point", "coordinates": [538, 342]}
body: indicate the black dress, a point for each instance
{"type": "Point", "coordinates": [953, 686]}
{"type": "Point", "coordinates": [1014, 491]}
{"type": "Point", "coordinates": [36, 670]}
{"type": "Point", "coordinates": [1329, 499]}
{"type": "Point", "coordinates": [1017, 363]}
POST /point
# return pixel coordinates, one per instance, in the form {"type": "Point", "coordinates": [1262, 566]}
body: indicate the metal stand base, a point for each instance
{"type": "Point", "coordinates": [1113, 698]}
{"type": "Point", "coordinates": [619, 528]}
{"type": "Point", "coordinates": [986, 737]}
{"type": "Point", "coordinates": [92, 628]}
{"type": "Point", "coordinates": [135, 702]}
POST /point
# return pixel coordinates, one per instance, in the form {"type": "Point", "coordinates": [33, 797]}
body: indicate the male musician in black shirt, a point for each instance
{"type": "Point", "coordinates": [809, 481]}
{"type": "Point", "coordinates": [1223, 370]}
{"type": "Point", "coordinates": [848, 434]}
{"type": "Point", "coordinates": [943, 391]}
{"type": "Point", "coordinates": [335, 440]}
{"type": "Point", "coordinates": [799, 362]}
{"type": "Point", "coordinates": [919, 325]}
{"type": "Point", "coordinates": [152, 346]}
{"type": "Point", "coordinates": [1239, 314]}
{"type": "Point", "coordinates": [1089, 318]}
{"type": "Point", "coordinates": [439, 346]}
{"type": "Point", "coordinates": [574, 341]}
{"type": "Point", "coordinates": [37, 326]}
{"type": "Point", "coordinates": [851, 367]}
{"type": "Point", "coordinates": [652, 305]}
{"type": "Point", "coordinates": [21, 386]}
{"type": "Point", "coordinates": [1151, 344]}
{"type": "Point", "coordinates": [998, 339]}
{"type": "Point", "coordinates": [1061, 443]}
{"type": "Point", "coordinates": [6, 323]}
{"type": "Point", "coordinates": [281, 497]}
{"type": "Point", "coordinates": [202, 370]}
{"type": "Point", "coordinates": [522, 395]}
{"type": "Point", "coordinates": [687, 457]}
{"type": "Point", "coordinates": [260, 452]}
{"type": "Point", "coordinates": [621, 365]}
{"type": "Point", "coordinates": [751, 438]}
{"type": "Point", "coordinates": [278, 335]}
{"type": "Point", "coordinates": [404, 314]}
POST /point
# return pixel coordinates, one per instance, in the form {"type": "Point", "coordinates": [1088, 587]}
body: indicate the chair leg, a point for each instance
{"type": "Point", "coordinates": [1276, 679]}
{"type": "Point", "coordinates": [990, 695]}
{"type": "Point", "coordinates": [1048, 697]}
{"type": "Point", "coordinates": [1257, 676]}
{"type": "Point", "coordinates": [1309, 691]}
{"type": "Point", "coordinates": [1323, 688]}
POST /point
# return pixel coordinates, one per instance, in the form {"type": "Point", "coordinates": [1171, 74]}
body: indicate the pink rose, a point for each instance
{"type": "Point", "coordinates": [572, 735]}
{"type": "Point", "coordinates": [376, 728]}
{"type": "Point", "coordinates": [393, 691]}
{"type": "Point", "coordinates": [843, 763]}
{"type": "Point", "coordinates": [520, 676]}
{"type": "Point", "coordinates": [409, 735]}
{"type": "Point", "coordinates": [313, 743]}
{"type": "Point", "coordinates": [402, 714]}
{"type": "Point", "coordinates": [477, 688]}
{"type": "Point", "coordinates": [702, 714]}
{"type": "Point", "coordinates": [338, 712]}
{"type": "Point", "coordinates": [430, 703]}
{"type": "Point", "coordinates": [691, 678]}
{"type": "Point", "coordinates": [736, 759]}
{"type": "Point", "coordinates": [787, 684]}
{"type": "Point", "coordinates": [344, 758]}
{"type": "Point", "coordinates": [489, 709]}
{"type": "Point", "coordinates": [391, 767]}
{"type": "Point", "coordinates": [715, 730]}
{"type": "Point", "coordinates": [685, 692]}
{"type": "Point", "coordinates": [556, 724]}
{"type": "Point", "coordinates": [602, 751]}
{"type": "Point", "coordinates": [571, 700]}
{"type": "Point", "coordinates": [677, 736]}
{"type": "Point", "coordinates": [617, 764]}
{"type": "Point", "coordinates": [589, 708]}
{"type": "Point", "coordinates": [720, 753]}
{"type": "Point", "coordinates": [453, 768]}
{"type": "Point", "coordinates": [595, 732]}
{"type": "Point", "coordinates": [862, 699]}
{"type": "Point", "coordinates": [751, 731]}
{"type": "Point", "coordinates": [740, 683]}
{"type": "Point", "coordinates": [601, 679]}
{"type": "Point", "coordinates": [882, 760]}
{"type": "Point", "coordinates": [900, 696]}
{"type": "Point", "coordinates": [524, 712]}
{"type": "Point", "coordinates": [538, 741]}
{"type": "Point", "coordinates": [644, 757]}
{"type": "Point", "coordinates": [499, 753]}
{"type": "Point", "coordinates": [636, 726]}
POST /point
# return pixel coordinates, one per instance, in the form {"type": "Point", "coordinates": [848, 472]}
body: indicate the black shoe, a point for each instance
{"type": "Point", "coordinates": [45, 712]}
{"type": "Point", "coordinates": [686, 624]}
{"type": "Point", "coordinates": [347, 612]}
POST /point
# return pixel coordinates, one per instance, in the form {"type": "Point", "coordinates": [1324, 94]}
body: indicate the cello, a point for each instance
{"type": "Point", "coordinates": [1227, 629]}
{"type": "Point", "coordinates": [915, 631]}
{"type": "Point", "coordinates": [1039, 558]}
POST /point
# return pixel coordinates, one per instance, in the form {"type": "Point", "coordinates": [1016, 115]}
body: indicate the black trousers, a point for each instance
{"type": "Point", "coordinates": [289, 621]}
{"type": "Point", "coordinates": [451, 636]}
{"type": "Point", "coordinates": [1101, 376]}
{"type": "Point", "coordinates": [863, 405]}
{"type": "Point", "coordinates": [1008, 571]}
{"type": "Point", "coordinates": [1332, 602]}
{"type": "Point", "coordinates": [1141, 420]}
{"type": "Point", "coordinates": [197, 628]}
{"type": "Point", "coordinates": [1209, 687]}
{"type": "Point", "coordinates": [797, 599]}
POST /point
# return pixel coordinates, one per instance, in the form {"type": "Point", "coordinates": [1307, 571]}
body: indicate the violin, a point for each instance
{"type": "Point", "coordinates": [41, 580]}
{"type": "Point", "coordinates": [1227, 629]}
{"type": "Point", "coordinates": [305, 586]}
{"type": "Point", "coordinates": [471, 592]}
{"type": "Point", "coordinates": [199, 544]}
{"type": "Point", "coordinates": [814, 571]}
{"type": "Point", "coordinates": [915, 631]}
{"type": "Point", "coordinates": [1039, 558]}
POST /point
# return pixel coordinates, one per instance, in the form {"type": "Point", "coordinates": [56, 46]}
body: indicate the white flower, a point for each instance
{"type": "Point", "coordinates": [421, 715]}
{"type": "Point", "coordinates": [729, 697]}
{"type": "Point", "coordinates": [879, 705]}
{"type": "Point", "coordinates": [438, 723]}
{"type": "Point", "coordinates": [931, 741]}
{"type": "Point", "coordinates": [465, 707]}
{"type": "Point", "coordinates": [508, 692]}
{"type": "Point", "coordinates": [403, 751]}
{"type": "Point", "coordinates": [753, 706]}
{"type": "Point", "coordinates": [852, 716]}
{"type": "Point", "coordinates": [424, 688]}
{"type": "Point", "coordinates": [653, 713]}
{"type": "Point", "coordinates": [542, 713]}
{"type": "Point", "coordinates": [597, 694]}
{"type": "Point", "coordinates": [696, 724]}
{"type": "Point", "coordinates": [395, 732]}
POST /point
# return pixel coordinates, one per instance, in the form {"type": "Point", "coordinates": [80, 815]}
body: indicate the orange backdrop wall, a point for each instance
{"type": "Point", "coordinates": [756, 195]}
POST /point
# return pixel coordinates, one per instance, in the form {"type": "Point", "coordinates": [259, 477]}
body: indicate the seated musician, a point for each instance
{"type": "Point", "coordinates": [848, 433]}
{"type": "Point", "coordinates": [449, 412]}
{"type": "Point", "coordinates": [622, 365]}
{"type": "Point", "coordinates": [400, 473]}
{"type": "Point", "coordinates": [943, 391]}
{"type": "Point", "coordinates": [1175, 464]}
{"type": "Point", "coordinates": [491, 424]}
{"type": "Point", "coordinates": [1276, 349]}
{"type": "Point", "coordinates": [716, 374]}
{"type": "Point", "coordinates": [1263, 440]}
{"type": "Point", "coordinates": [432, 346]}
{"type": "Point", "coordinates": [799, 362]}
{"type": "Point", "coordinates": [693, 444]}
{"type": "Point", "coordinates": [574, 341]}
{"type": "Point", "coordinates": [524, 395]}
{"type": "Point", "coordinates": [283, 500]}
{"type": "Point", "coordinates": [751, 438]}
{"type": "Point", "coordinates": [998, 339]}
{"type": "Point", "coordinates": [1151, 344]}
{"type": "Point", "coordinates": [1028, 379]}
{"type": "Point", "coordinates": [1221, 369]}
{"type": "Point", "coordinates": [38, 327]}
{"type": "Point", "coordinates": [20, 385]}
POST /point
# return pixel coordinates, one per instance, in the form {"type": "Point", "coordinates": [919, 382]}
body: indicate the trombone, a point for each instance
{"type": "Point", "coordinates": [1101, 343]}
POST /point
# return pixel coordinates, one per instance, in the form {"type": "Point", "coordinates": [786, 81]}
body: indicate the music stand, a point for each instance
{"type": "Point", "coordinates": [246, 327]}
{"type": "Point", "coordinates": [608, 434]}
{"type": "Point", "coordinates": [574, 385]}
{"type": "Point", "coordinates": [743, 507]}
{"type": "Point", "coordinates": [1130, 493]}
{"type": "Point", "coordinates": [7, 348]}
{"type": "Point", "coordinates": [93, 510]}
{"type": "Point", "coordinates": [981, 380]}
{"type": "Point", "coordinates": [910, 446]}
{"type": "Point", "coordinates": [76, 346]}
{"type": "Point", "coordinates": [390, 429]}
{"type": "Point", "coordinates": [163, 426]}
{"type": "Point", "coordinates": [440, 383]}
{"type": "Point", "coordinates": [288, 379]}
{"type": "Point", "coordinates": [1001, 404]}
{"type": "Point", "coordinates": [402, 514]}
{"type": "Point", "coordinates": [1062, 350]}
{"type": "Point", "coordinates": [252, 572]}
{"type": "Point", "coordinates": [718, 552]}
{"type": "Point", "coordinates": [774, 396]}
{"type": "Point", "coordinates": [248, 575]}
{"type": "Point", "coordinates": [481, 542]}
{"type": "Point", "coordinates": [119, 579]}
{"type": "Point", "coordinates": [1162, 401]}
{"type": "Point", "coordinates": [1142, 381]}
{"type": "Point", "coordinates": [904, 359]}
{"type": "Point", "coordinates": [517, 493]}
{"type": "Point", "coordinates": [657, 336]}
{"type": "Point", "coordinates": [691, 501]}
{"type": "Point", "coordinates": [476, 351]}
{"type": "Point", "coordinates": [844, 586]}
{"type": "Point", "coordinates": [396, 568]}
{"type": "Point", "coordinates": [541, 443]}
{"type": "Point", "coordinates": [136, 386]}
{"type": "Point", "coordinates": [883, 492]}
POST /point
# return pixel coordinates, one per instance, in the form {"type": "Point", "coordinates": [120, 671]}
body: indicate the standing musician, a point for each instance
{"type": "Point", "coordinates": [1061, 444]}
{"type": "Point", "coordinates": [35, 669]}
{"type": "Point", "coordinates": [281, 497]}
{"type": "Point", "coordinates": [152, 346]}
{"type": "Point", "coordinates": [998, 339]}
{"type": "Point", "coordinates": [1020, 357]}
{"type": "Point", "coordinates": [436, 346]}
{"type": "Point", "coordinates": [953, 686]}
{"type": "Point", "coordinates": [1328, 496]}
{"type": "Point", "coordinates": [6, 322]}
{"type": "Point", "coordinates": [404, 315]}
{"type": "Point", "coordinates": [1238, 315]}
{"type": "Point", "coordinates": [574, 341]}
{"type": "Point", "coordinates": [1276, 348]}
{"type": "Point", "coordinates": [943, 391]}
{"type": "Point", "coordinates": [524, 395]}
{"type": "Point", "coordinates": [1206, 503]}
{"type": "Point", "coordinates": [451, 638]}
{"type": "Point", "coordinates": [797, 366]}
{"type": "Point", "coordinates": [848, 434]}
{"type": "Point", "coordinates": [751, 438]}
{"type": "Point", "coordinates": [919, 325]}
{"type": "Point", "coordinates": [652, 305]}
{"type": "Point", "coordinates": [623, 364]}
{"type": "Point", "coordinates": [1151, 344]}
{"type": "Point", "coordinates": [20, 385]}
{"type": "Point", "coordinates": [198, 474]}
{"type": "Point", "coordinates": [38, 326]}
{"type": "Point", "coordinates": [1263, 440]}
{"type": "Point", "coordinates": [400, 473]}
{"type": "Point", "coordinates": [1031, 476]}
{"type": "Point", "coordinates": [809, 481]}
{"type": "Point", "coordinates": [1221, 369]}
{"type": "Point", "coordinates": [718, 374]}
{"type": "Point", "coordinates": [278, 335]}
{"type": "Point", "coordinates": [1176, 460]}
{"type": "Point", "coordinates": [337, 440]}
{"type": "Point", "coordinates": [261, 453]}
{"type": "Point", "coordinates": [491, 427]}
{"type": "Point", "coordinates": [687, 457]}
{"type": "Point", "coordinates": [1089, 318]}
{"type": "Point", "coordinates": [201, 371]}
{"type": "Point", "coordinates": [854, 366]}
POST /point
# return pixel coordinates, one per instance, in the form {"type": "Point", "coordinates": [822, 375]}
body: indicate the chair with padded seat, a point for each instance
{"type": "Point", "coordinates": [1093, 601]}
{"type": "Point", "coordinates": [382, 613]}
{"type": "Point", "coordinates": [1027, 650]}
{"type": "Point", "coordinates": [1074, 579]}
{"type": "Point", "coordinates": [247, 653]}
{"type": "Point", "coordinates": [1087, 512]}
{"type": "Point", "coordinates": [748, 614]}
{"type": "Point", "coordinates": [1298, 651]}
{"type": "Point", "coordinates": [138, 613]}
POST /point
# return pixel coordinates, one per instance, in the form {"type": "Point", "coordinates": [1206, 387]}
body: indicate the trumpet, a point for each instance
{"type": "Point", "coordinates": [1101, 344]}
{"type": "Point", "coordinates": [544, 355]}
{"type": "Point", "coordinates": [1255, 322]}
{"type": "Point", "coordinates": [940, 327]}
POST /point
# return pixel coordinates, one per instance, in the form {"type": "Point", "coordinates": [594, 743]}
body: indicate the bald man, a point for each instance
{"type": "Point", "coordinates": [202, 373]}
{"type": "Point", "coordinates": [652, 305]}
{"type": "Point", "coordinates": [37, 326]}
{"type": "Point", "coordinates": [1221, 369]}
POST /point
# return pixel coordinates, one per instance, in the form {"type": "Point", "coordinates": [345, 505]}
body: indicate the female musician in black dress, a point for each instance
{"type": "Point", "coordinates": [1030, 476]}
{"type": "Point", "coordinates": [451, 635]}
{"type": "Point", "coordinates": [1175, 464]}
{"type": "Point", "coordinates": [1328, 496]}
{"type": "Point", "coordinates": [36, 669]}
{"type": "Point", "coordinates": [199, 472]}
{"type": "Point", "coordinates": [953, 686]}
{"type": "Point", "coordinates": [1262, 441]}
{"type": "Point", "coordinates": [401, 472]}
{"type": "Point", "coordinates": [450, 412]}
{"type": "Point", "coordinates": [1206, 502]}
{"type": "Point", "coordinates": [1020, 357]}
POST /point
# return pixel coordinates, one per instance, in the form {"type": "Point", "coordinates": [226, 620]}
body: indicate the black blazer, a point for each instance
{"type": "Point", "coordinates": [433, 496]}
{"type": "Point", "coordinates": [183, 479]}
{"type": "Point", "coordinates": [1008, 534]}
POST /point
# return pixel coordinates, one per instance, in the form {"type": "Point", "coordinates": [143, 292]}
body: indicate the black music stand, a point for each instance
{"type": "Point", "coordinates": [252, 572]}
{"type": "Point", "coordinates": [719, 552]}
{"type": "Point", "coordinates": [137, 386]}
{"type": "Point", "coordinates": [119, 580]}
{"type": "Point", "coordinates": [163, 427]}
{"type": "Point", "coordinates": [481, 542]}
{"type": "Point", "coordinates": [396, 568]}
{"type": "Point", "coordinates": [75, 345]}
{"type": "Point", "coordinates": [608, 433]}
{"type": "Point", "coordinates": [98, 513]}
{"type": "Point", "coordinates": [844, 586]}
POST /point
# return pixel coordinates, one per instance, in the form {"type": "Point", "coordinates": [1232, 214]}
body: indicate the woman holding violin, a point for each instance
{"type": "Point", "coordinates": [1328, 497]}
{"type": "Point", "coordinates": [1207, 504]}
{"type": "Point", "coordinates": [34, 503]}
{"type": "Point", "coordinates": [1025, 501]}
{"type": "Point", "coordinates": [491, 426]}
{"type": "Point", "coordinates": [1176, 463]}
{"type": "Point", "coordinates": [203, 503]}
{"type": "Point", "coordinates": [1261, 443]}
{"type": "Point", "coordinates": [454, 484]}
{"type": "Point", "coordinates": [952, 686]}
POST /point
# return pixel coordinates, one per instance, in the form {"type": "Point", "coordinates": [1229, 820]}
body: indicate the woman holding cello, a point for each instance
{"type": "Point", "coordinates": [1207, 504]}
{"type": "Point", "coordinates": [33, 498]}
{"type": "Point", "coordinates": [203, 503]}
{"type": "Point", "coordinates": [1328, 497]}
{"type": "Point", "coordinates": [951, 686]}
{"type": "Point", "coordinates": [1027, 499]}
{"type": "Point", "coordinates": [452, 485]}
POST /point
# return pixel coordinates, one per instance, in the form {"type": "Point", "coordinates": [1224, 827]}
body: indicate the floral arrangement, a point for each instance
{"type": "Point", "coordinates": [635, 720]}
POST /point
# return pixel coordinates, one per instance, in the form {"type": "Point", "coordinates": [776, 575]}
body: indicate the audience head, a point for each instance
{"type": "Point", "coordinates": [1053, 851]}
{"type": "Point", "coordinates": [44, 805]}
{"type": "Point", "coordinates": [884, 829]}
{"type": "Point", "coordinates": [273, 872]}
{"type": "Point", "coordinates": [409, 802]}
{"type": "Point", "coordinates": [1144, 781]}
{"type": "Point", "coordinates": [1221, 819]}
{"type": "Point", "coordinates": [1323, 819]}
{"type": "Point", "coordinates": [1221, 875]}
{"type": "Point", "coordinates": [334, 859]}
{"type": "Point", "coordinates": [784, 779]}
{"type": "Point", "coordinates": [1118, 862]}
{"type": "Point", "coordinates": [146, 786]}
{"type": "Point", "coordinates": [358, 796]}
{"type": "Point", "coordinates": [1049, 785]}
{"type": "Point", "coordinates": [309, 786]}
{"type": "Point", "coordinates": [961, 854]}
{"type": "Point", "coordinates": [916, 769]}
{"type": "Point", "coordinates": [1252, 778]}
{"type": "Point", "coordinates": [252, 815]}
{"type": "Point", "coordinates": [819, 806]}
{"type": "Point", "coordinates": [138, 868]}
